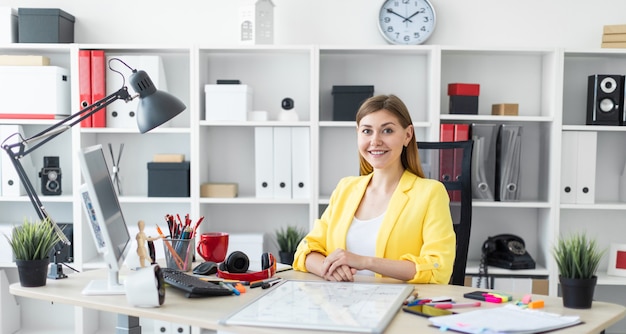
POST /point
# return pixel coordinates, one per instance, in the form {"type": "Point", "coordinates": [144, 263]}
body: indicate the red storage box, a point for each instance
{"type": "Point", "coordinates": [463, 89]}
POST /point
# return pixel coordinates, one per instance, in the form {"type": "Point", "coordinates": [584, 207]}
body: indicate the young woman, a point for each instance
{"type": "Point", "coordinates": [390, 221]}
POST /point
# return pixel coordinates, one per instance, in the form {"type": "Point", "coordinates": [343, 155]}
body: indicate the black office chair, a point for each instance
{"type": "Point", "coordinates": [451, 163]}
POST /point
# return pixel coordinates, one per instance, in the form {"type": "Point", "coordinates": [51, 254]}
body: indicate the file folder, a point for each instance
{"type": "Point", "coordinates": [84, 84]}
{"type": "Point", "coordinates": [11, 184]}
{"type": "Point", "coordinates": [264, 161]}
{"type": "Point", "coordinates": [300, 162]}
{"type": "Point", "coordinates": [282, 162]}
{"type": "Point", "coordinates": [483, 160]}
{"type": "Point", "coordinates": [586, 172]}
{"type": "Point", "coordinates": [508, 159]}
{"type": "Point", "coordinates": [461, 133]}
{"type": "Point", "coordinates": [121, 114]}
{"type": "Point", "coordinates": [446, 157]}
{"type": "Point", "coordinates": [569, 166]}
{"type": "Point", "coordinates": [98, 88]}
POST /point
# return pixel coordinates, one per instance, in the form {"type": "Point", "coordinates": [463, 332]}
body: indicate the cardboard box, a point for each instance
{"type": "Point", "coordinates": [227, 102]}
{"type": "Point", "coordinates": [45, 25]}
{"type": "Point", "coordinates": [8, 25]}
{"type": "Point", "coordinates": [505, 109]}
{"type": "Point", "coordinates": [348, 99]}
{"type": "Point", "coordinates": [168, 179]}
{"type": "Point", "coordinates": [222, 190]}
{"type": "Point", "coordinates": [34, 92]}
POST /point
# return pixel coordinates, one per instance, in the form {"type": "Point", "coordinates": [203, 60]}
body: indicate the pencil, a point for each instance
{"type": "Point", "coordinates": [177, 259]}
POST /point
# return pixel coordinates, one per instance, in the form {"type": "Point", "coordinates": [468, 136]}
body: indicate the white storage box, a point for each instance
{"type": "Point", "coordinates": [227, 102]}
{"type": "Point", "coordinates": [34, 92]}
{"type": "Point", "coordinates": [8, 25]}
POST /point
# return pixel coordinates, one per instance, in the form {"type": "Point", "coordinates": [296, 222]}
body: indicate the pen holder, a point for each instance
{"type": "Point", "coordinates": [179, 253]}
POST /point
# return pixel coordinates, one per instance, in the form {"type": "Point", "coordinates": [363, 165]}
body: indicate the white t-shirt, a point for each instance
{"type": "Point", "coordinates": [361, 238]}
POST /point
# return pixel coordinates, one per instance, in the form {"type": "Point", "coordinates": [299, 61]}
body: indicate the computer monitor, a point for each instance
{"type": "Point", "coordinates": [105, 219]}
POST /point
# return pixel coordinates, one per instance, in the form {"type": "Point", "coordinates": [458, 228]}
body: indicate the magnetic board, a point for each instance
{"type": "Point", "coordinates": [323, 305]}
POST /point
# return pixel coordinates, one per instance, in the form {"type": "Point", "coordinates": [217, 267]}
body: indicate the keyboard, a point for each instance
{"type": "Point", "coordinates": [193, 286]}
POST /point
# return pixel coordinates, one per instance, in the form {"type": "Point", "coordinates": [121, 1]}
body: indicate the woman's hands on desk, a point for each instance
{"type": "Point", "coordinates": [322, 266]}
{"type": "Point", "coordinates": [341, 265]}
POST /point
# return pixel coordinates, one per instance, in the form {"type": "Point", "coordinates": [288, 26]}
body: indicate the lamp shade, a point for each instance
{"type": "Point", "coordinates": [155, 107]}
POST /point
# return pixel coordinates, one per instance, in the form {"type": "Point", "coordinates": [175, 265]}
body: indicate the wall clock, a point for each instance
{"type": "Point", "coordinates": [407, 22]}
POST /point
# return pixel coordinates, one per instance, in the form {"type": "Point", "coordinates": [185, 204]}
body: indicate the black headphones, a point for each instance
{"type": "Point", "coordinates": [236, 267]}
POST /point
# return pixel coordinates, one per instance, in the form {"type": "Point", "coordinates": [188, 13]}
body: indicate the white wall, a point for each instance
{"type": "Point", "coordinates": [537, 23]}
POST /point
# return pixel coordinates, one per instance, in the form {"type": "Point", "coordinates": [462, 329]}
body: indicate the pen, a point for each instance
{"type": "Point", "coordinates": [411, 298]}
{"type": "Point", "coordinates": [271, 284]}
{"type": "Point", "coordinates": [257, 284]}
{"type": "Point", "coordinates": [453, 305]}
{"type": "Point", "coordinates": [177, 259]}
{"type": "Point", "coordinates": [230, 287]}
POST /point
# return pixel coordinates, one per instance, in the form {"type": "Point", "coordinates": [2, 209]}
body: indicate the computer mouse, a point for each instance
{"type": "Point", "coordinates": [205, 268]}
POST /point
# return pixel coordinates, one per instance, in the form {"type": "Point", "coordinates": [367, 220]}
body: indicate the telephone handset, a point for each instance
{"type": "Point", "coordinates": [507, 251]}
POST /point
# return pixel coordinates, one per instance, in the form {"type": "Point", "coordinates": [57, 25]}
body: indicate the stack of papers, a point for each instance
{"type": "Point", "coordinates": [506, 319]}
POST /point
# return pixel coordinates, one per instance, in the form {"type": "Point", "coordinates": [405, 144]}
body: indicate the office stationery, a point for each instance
{"type": "Point", "coordinates": [578, 171]}
{"type": "Point", "coordinates": [268, 285]}
{"type": "Point", "coordinates": [264, 161]}
{"type": "Point", "coordinates": [483, 160]}
{"type": "Point", "coordinates": [331, 306]}
{"type": "Point", "coordinates": [84, 84]}
{"type": "Point", "coordinates": [536, 304]}
{"type": "Point", "coordinates": [301, 162]}
{"type": "Point", "coordinates": [461, 133]}
{"type": "Point", "coordinates": [256, 284]}
{"type": "Point", "coordinates": [506, 319]}
{"type": "Point", "coordinates": [98, 85]}
{"type": "Point", "coordinates": [282, 162]}
{"type": "Point", "coordinates": [426, 311]}
{"type": "Point", "coordinates": [177, 259]}
{"type": "Point", "coordinates": [230, 287]}
{"type": "Point", "coordinates": [453, 305]}
{"type": "Point", "coordinates": [446, 157]}
{"type": "Point", "coordinates": [508, 161]}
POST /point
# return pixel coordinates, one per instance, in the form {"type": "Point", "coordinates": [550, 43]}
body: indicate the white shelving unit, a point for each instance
{"type": "Point", "coordinates": [548, 84]}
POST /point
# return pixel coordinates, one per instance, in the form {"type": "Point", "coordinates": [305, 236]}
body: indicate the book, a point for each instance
{"type": "Point", "coordinates": [24, 60]}
{"type": "Point", "coordinates": [506, 319]}
{"type": "Point", "coordinates": [164, 157]}
{"type": "Point", "coordinates": [614, 38]}
{"type": "Point", "coordinates": [614, 29]}
{"type": "Point", "coordinates": [613, 45]}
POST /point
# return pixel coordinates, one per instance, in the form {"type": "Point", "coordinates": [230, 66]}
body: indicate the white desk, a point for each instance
{"type": "Point", "coordinates": [206, 312]}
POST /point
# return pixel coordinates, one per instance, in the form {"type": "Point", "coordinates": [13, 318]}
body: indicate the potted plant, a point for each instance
{"type": "Point", "coordinates": [288, 239]}
{"type": "Point", "coordinates": [577, 258]}
{"type": "Point", "coordinates": [31, 243]}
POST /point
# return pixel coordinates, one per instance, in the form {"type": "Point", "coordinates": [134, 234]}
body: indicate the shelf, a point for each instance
{"type": "Point", "coordinates": [473, 269]}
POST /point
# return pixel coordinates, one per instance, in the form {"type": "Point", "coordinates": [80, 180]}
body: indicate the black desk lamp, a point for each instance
{"type": "Point", "coordinates": [155, 108]}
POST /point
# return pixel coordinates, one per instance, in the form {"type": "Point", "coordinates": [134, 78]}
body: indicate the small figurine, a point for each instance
{"type": "Point", "coordinates": [141, 244]}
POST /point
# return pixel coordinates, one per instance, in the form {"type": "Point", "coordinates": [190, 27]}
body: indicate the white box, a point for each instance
{"type": "Point", "coordinates": [8, 25]}
{"type": "Point", "coordinates": [34, 92]}
{"type": "Point", "coordinates": [227, 102]}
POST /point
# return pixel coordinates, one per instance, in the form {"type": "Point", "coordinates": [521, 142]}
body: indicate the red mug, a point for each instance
{"type": "Point", "coordinates": [213, 246]}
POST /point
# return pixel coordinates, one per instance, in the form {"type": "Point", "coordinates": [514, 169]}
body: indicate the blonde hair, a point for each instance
{"type": "Point", "coordinates": [410, 157]}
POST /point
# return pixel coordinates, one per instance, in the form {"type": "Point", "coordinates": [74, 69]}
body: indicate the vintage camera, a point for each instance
{"type": "Point", "coordinates": [50, 176]}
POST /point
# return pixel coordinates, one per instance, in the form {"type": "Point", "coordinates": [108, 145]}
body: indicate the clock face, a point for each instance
{"type": "Point", "coordinates": [406, 21]}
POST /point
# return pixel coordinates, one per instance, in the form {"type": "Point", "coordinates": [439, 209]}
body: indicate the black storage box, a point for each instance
{"type": "Point", "coordinates": [168, 179]}
{"type": "Point", "coordinates": [45, 25]}
{"type": "Point", "coordinates": [462, 104]}
{"type": "Point", "coordinates": [348, 99]}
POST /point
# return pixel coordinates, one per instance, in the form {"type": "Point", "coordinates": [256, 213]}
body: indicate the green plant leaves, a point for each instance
{"type": "Point", "coordinates": [33, 240]}
{"type": "Point", "coordinates": [289, 238]}
{"type": "Point", "coordinates": [577, 256]}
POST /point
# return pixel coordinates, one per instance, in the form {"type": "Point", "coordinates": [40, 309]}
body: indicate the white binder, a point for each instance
{"type": "Point", "coordinates": [120, 114]}
{"type": "Point", "coordinates": [11, 184]}
{"type": "Point", "coordinates": [586, 173]}
{"type": "Point", "coordinates": [569, 166]}
{"type": "Point", "coordinates": [282, 162]}
{"type": "Point", "coordinates": [264, 161]}
{"type": "Point", "coordinates": [300, 162]}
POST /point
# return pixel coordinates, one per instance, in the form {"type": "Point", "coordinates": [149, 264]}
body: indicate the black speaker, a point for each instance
{"type": "Point", "coordinates": [605, 100]}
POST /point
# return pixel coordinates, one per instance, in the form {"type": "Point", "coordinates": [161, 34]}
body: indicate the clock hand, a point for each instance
{"type": "Point", "coordinates": [390, 11]}
{"type": "Point", "coordinates": [408, 18]}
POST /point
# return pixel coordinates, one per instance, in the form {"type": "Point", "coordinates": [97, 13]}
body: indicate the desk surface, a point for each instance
{"type": "Point", "coordinates": [206, 312]}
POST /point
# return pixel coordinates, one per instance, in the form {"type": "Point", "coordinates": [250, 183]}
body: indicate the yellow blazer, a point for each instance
{"type": "Point", "coordinates": [417, 226]}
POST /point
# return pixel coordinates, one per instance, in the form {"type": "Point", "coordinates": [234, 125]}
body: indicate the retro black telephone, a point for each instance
{"type": "Point", "coordinates": [506, 251]}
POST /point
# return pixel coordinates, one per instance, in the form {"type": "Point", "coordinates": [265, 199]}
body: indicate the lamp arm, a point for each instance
{"type": "Point", "coordinates": [47, 135]}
